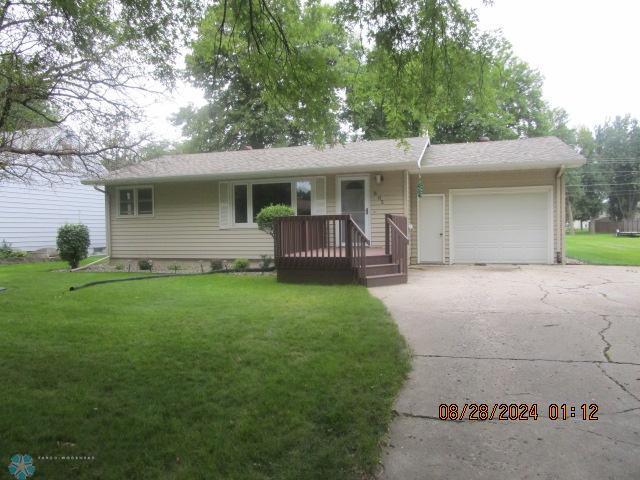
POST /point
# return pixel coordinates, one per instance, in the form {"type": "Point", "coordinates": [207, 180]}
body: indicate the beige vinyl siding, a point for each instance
{"type": "Point", "coordinates": [387, 197]}
{"type": "Point", "coordinates": [442, 183]}
{"type": "Point", "coordinates": [185, 223]}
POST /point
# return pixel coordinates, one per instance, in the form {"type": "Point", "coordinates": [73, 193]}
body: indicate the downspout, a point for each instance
{"type": "Point", "coordinates": [107, 211]}
{"type": "Point", "coordinates": [561, 200]}
{"type": "Point", "coordinates": [410, 224]}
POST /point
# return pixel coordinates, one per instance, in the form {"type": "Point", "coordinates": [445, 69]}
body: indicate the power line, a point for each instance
{"type": "Point", "coordinates": [602, 184]}
{"type": "Point", "coordinates": [617, 171]}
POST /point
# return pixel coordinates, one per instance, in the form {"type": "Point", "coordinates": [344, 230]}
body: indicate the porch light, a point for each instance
{"type": "Point", "coordinates": [379, 179]}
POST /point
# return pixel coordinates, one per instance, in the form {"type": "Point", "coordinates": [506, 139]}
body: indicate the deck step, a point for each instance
{"type": "Point", "coordinates": [388, 279]}
{"type": "Point", "coordinates": [378, 259]}
{"type": "Point", "coordinates": [382, 269]}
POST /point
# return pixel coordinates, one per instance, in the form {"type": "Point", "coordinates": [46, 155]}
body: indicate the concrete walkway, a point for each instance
{"type": "Point", "coordinates": [509, 334]}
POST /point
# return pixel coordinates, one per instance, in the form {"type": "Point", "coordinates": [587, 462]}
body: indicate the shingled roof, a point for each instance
{"type": "Point", "coordinates": [539, 152]}
{"type": "Point", "coordinates": [378, 155]}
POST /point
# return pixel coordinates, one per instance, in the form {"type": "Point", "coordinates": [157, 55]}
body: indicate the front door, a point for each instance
{"type": "Point", "coordinates": [431, 228]}
{"type": "Point", "coordinates": [353, 198]}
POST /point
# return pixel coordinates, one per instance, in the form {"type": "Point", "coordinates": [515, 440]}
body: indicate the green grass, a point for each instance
{"type": "Point", "coordinates": [603, 248]}
{"type": "Point", "coordinates": [234, 377]}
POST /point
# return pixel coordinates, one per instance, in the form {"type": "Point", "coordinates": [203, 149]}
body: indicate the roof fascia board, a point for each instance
{"type": "Point", "coordinates": [494, 167]}
{"type": "Point", "coordinates": [256, 174]}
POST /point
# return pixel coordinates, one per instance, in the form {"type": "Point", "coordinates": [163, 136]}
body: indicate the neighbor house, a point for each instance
{"type": "Point", "coordinates": [38, 193]}
{"type": "Point", "coordinates": [30, 215]}
{"type": "Point", "coordinates": [484, 202]}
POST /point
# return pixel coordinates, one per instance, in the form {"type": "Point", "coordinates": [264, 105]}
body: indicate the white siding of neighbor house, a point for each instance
{"type": "Point", "coordinates": [442, 183]}
{"type": "Point", "coordinates": [185, 223]}
{"type": "Point", "coordinates": [30, 215]}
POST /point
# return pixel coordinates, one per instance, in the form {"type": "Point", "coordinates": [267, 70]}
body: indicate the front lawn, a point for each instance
{"type": "Point", "coordinates": [603, 248]}
{"type": "Point", "coordinates": [215, 376]}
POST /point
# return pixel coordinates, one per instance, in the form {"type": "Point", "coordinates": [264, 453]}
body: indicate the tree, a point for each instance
{"type": "Point", "coordinates": [618, 155]}
{"type": "Point", "coordinates": [478, 88]}
{"type": "Point", "coordinates": [584, 189]}
{"type": "Point", "coordinates": [285, 74]}
{"type": "Point", "coordinates": [259, 93]}
{"type": "Point", "coordinates": [75, 64]}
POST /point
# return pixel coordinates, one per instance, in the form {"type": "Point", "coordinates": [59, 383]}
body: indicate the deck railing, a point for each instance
{"type": "Point", "coordinates": [396, 240]}
{"type": "Point", "coordinates": [320, 241]}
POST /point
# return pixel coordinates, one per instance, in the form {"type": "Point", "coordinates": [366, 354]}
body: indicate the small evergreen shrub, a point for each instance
{"type": "Point", "coordinates": [73, 243]}
{"type": "Point", "coordinates": [265, 262]}
{"type": "Point", "coordinates": [268, 214]}
{"type": "Point", "coordinates": [145, 264]}
{"type": "Point", "coordinates": [240, 264]}
{"type": "Point", "coordinates": [119, 266]}
{"type": "Point", "coordinates": [216, 265]}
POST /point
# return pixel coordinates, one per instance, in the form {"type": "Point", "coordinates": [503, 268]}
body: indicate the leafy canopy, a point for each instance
{"type": "Point", "coordinates": [291, 73]}
{"type": "Point", "coordinates": [75, 64]}
{"type": "Point", "coordinates": [260, 94]}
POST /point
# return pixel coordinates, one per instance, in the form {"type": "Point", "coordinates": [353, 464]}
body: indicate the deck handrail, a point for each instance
{"type": "Point", "coordinates": [397, 240]}
{"type": "Point", "coordinates": [392, 223]}
{"type": "Point", "coordinates": [359, 230]}
{"type": "Point", "coordinates": [321, 240]}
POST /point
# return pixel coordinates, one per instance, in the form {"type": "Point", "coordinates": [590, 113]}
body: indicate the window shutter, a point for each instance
{"type": "Point", "coordinates": [319, 197]}
{"type": "Point", "coordinates": [224, 204]}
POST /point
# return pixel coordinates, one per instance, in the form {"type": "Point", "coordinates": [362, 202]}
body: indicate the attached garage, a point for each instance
{"type": "Point", "coordinates": [501, 225]}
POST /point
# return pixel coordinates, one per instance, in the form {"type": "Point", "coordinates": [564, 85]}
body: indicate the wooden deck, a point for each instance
{"type": "Point", "coordinates": [340, 252]}
{"type": "Point", "coordinates": [333, 249]}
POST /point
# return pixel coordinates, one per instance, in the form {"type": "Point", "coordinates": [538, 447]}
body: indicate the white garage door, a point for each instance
{"type": "Point", "coordinates": [502, 226]}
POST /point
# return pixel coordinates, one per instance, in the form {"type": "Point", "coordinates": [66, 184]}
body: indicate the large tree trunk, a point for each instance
{"type": "Point", "coordinates": [572, 230]}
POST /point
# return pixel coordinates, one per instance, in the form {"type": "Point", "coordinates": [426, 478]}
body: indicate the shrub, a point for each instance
{"type": "Point", "coordinates": [265, 261]}
{"type": "Point", "coordinates": [145, 264]}
{"type": "Point", "coordinates": [268, 214]}
{"type": "Point", "coordinates": [119, 266]}
{"type": "Point", "coordinates": [216, 265]}
{"type": "Point", "coordinates": [240, 264]}
{"type": "Point", "coordinates": [73, 243]}
{"type": "Point", "coordinates": [7, 252]}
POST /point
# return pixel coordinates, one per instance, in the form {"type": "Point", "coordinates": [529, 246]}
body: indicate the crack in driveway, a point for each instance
{"type": "Point", "coordinates": [518, 359]}
{"type": "Point", "coordinates": [607, 346]}
{"type": "Point", "coordinates": [541, 329]}
{"type": "Point", "coordinates": [622, 387]}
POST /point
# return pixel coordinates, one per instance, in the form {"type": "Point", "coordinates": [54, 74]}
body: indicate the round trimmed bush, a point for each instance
{"type": "Point", "coordinates": [240, 264]}
{"type": "Point", "coordinates": [265, 217]}
{"type": "Point", "coordinates": [73, 243]}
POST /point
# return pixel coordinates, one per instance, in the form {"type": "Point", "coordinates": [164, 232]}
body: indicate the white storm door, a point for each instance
{"type": "Point", "coordinates": [353, 198]}
{"type": "Point", "coordinates": [431, 228]}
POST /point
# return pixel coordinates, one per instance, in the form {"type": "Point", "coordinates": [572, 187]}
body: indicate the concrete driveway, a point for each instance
{"type": "Point", "coordinates": [518, 335]}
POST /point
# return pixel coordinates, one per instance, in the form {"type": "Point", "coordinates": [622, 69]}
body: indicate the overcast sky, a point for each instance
{"type": "Point", "coordinates": [587, 51]}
